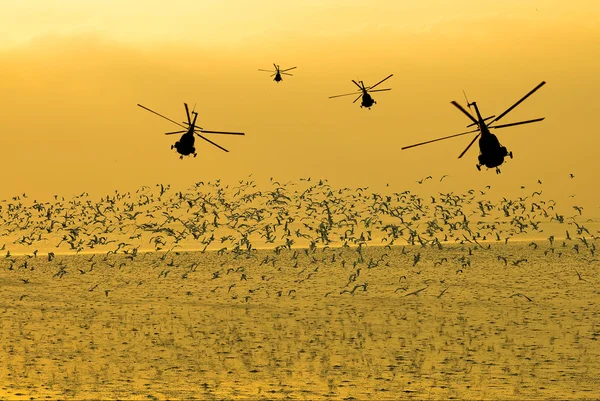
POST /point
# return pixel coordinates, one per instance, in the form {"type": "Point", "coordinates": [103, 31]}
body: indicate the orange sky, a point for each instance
{"type": "Point", "coordinates": [73, 72]}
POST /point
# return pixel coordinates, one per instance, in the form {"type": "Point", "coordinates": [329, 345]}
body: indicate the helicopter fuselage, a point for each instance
{"type": "Point", "coordinates": [491, 152]}
{"type": "Point", "coordinates": [185, 145]}
{"type": "Point", "coordinates": [367, 100]}
{"type": "Point", "coordinates": [277, 77]}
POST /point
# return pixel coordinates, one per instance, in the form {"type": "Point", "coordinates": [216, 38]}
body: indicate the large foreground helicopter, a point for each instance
{"type": "Point", "coordinates": [491, 154]}
{"type": "Point", "coordinates": [185, 145]}
{"type": "Point", "coordinates": [367, 100]}
{"type": "Point", "coordinates": [278, 72]}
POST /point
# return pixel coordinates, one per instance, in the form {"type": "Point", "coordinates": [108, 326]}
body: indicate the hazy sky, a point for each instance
{"type": "Point", "coordinates": [73, 71]}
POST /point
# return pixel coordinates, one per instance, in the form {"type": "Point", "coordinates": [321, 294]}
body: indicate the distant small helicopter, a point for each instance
{"type": "Point", "coordinates": [185, 145]}
{"type": "Point", "coordinates": [491, 154]}
{"type": "Point", "coordinates": [367, 100]}
{"type": "Point", "coordinates": [278, 72]}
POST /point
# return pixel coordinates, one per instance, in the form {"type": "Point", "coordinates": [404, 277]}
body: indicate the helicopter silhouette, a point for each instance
{"type": "Point", "coordinates": [185, 145]}
{"type": "Point", "coordinates": [278, 72]}
{"type": "Point", "coordinates": [367, 100]}
{"type": "Point", "coordinates": [491, 152]}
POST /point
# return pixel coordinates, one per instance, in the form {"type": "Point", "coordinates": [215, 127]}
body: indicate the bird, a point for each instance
{"type": "Point", "coordinates": [303, 224]}
{"type": "Point", "coordinates": [579, 275]}
{"type": "Point", "coordinates": [521, 295]}
{"type": "Point", "coordinates": [443, 292]}
{"type": "Point", "coordinates": [417, 291]}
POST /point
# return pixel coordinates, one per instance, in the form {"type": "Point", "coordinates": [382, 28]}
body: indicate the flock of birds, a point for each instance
{"type": "Point", "coordinates": [294, 223]}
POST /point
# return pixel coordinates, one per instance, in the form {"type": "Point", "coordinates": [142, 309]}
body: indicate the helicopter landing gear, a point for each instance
{"type": "Point", "coordinates": [181, 157]}
{"type": "Point", "coordinates": [478, 167]}
{"type": "Point", "coordinates": [497, 170]}
{"type": "Point", "coordinates": [510, 155]}
{"type": "Point", "coordinates": [195, 154]}
{"type": "Point", "coordinates": [172, 146]}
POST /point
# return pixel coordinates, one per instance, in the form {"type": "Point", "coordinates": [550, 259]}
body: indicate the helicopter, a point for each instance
{"type": "Point", "coordinates": [491, 152]}
{"type": "Point", "coordinates": [185, 145]}
{"type": "Point", "coordinates": [367, 100]}
{"type": "Point", "coordinates": [278, 72]}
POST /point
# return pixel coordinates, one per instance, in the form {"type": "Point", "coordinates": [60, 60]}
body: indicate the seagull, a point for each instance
{"type": "Point", "coordinates": [417, 291]}
{"type": "Point", "coordinates": [579, 275]}
{"type": "Point", "coordinates": [521, 295]}
{"type": "Point", "coordinates": [442, 293]}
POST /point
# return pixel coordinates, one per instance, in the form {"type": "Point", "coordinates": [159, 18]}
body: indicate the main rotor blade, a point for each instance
{"type": "Point", "coordinates": [356, 83]}
{"type": "Point", "coordinates": [518, 123]}
{"type": "Point", "coordinates": [345, 94]}
{"type": "Point", "coordinates": [458, 106]}
{"type": "Point", "coordinates": [276, 67]}
{"type": "Point", "coordinates": [440, 139]}
{"type": "Point", "coordinates": [160, 115]}
{"type": "Point", "coordinates": [379, 90]}
{"type": "Point", "coordinates": [359, 96]}
{"type": "Point", "coordinates": [287, 69]}
{"type": "Point", "coordinates": [265, 70]}
{"type": "Point", "coordinates": [211, 142]}
{"type": "Point", "coordinates": [471, 144]}
{"type": "Point", "coordinates": [519, 102]}
{"type": "Point", "coordinates": [174, 132]}
{"type": "Point", "coordinates": [485, 119]}
{"type": "Point", "coordinates": [221, 132]}
{"type": "Point", "coordinates": [287, 73]}
{"type": "Point", "coordinates": [389, 76]}
{"type": "Point", "coordinates": [187, 111]}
